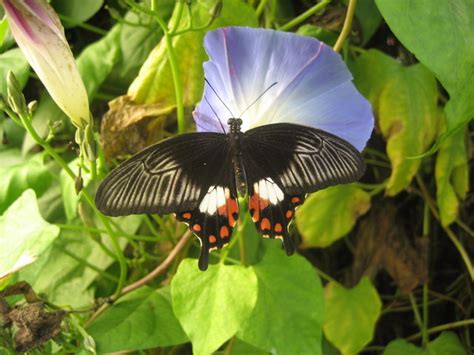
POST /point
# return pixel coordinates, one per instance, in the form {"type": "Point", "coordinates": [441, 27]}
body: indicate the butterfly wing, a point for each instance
{"type": "Point", "coordinates": [283, 162]}
{"type": "Point", "coordinates": [190, 175]}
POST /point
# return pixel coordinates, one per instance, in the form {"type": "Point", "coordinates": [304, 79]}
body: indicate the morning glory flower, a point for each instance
{"type": "Point", "coordinates": [313, 85]}
{"type": "Point", "coordinates": [40, 35]}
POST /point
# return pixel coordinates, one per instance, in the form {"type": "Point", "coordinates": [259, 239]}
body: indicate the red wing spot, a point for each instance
{"type": "Point", "coordinates": [295, 199]}
{"type": "Point", "coordinates": [222, 210]}
{"type": "Point", "coordinates": [212, 239]}
{"type": "Point", "coordinates": [224, 232]}
{"type": "Point", "coordinates": [186, 215]}
{"type": "Point", "coordinates": [197, 228]}
{"type": "Point", "coordinates": [253, 205]}
{"type": "Point", "coordinates": [289, 214]}
{"type": "Point", "coordinates": [278, 227]}
{"type": "Point", "coordinates": [264, 203]}
{"type": "Point", "coordinates": [232, 210]}
{"type": "Point", "coordinates": [265, 225]}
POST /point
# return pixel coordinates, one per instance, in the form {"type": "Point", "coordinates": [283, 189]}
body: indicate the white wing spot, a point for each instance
{"type": "Point", "coordinates": [214, 198]}
{"type": "Point", "coordinates": [269, 190]}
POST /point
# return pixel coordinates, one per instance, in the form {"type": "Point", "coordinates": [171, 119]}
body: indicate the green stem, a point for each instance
{"type": "Point", "coordinates": [305, 15]}
{"type": "Point", "coordinates": [346, 28]}
{"type": "Point", "coordinates": [416, 311]}
{"type": "Point", "coordinates": [442, 327]}
{"type": "Point", "coordinates": [260, 8]}
{"type": "Point", "coordinates": [84, 25]}
{"type": "Point", "coordinates": [426, 231]}
{"type": "Point", "coordinates": [75, 227]}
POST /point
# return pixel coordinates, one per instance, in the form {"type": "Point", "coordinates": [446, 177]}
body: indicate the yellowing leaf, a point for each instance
{"type": "Point", "coordinates": [451, 173]}
{"type": "Point", "coordinates": [329, 214]}
{"type": "Point", "coordinates": [351, 315]}
{"type": "Point", "coordinates": [405, 104]}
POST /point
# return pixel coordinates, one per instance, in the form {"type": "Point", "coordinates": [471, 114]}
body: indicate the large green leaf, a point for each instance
{"type": "Point", "coordinates": [351, 314]}
{"type": "Point", "coordinates": [24, 234]}
{"type": "Point", "coordinates": [140, 320]}
{"type": "Point", "coordinates": [288, 316]}
{"type": "Point", "coordinates": [451, 173]}
{"type": "Point", "coordinates": [405, 103]}
{"type": "Point", "coordinates": [329, 214]}
{"type": "Point", "coordinates": [441, 35]}
{"type": "Point", "coordinates": [15, 61]}
{"type": "Point", "coordinates": [154, 83]}
{"type": "Point", "coordinates": [65, 273]}
{"type": "Point", "coordinates": [18, 174]}
{"type": "Point", "coordinates": [211, 306]}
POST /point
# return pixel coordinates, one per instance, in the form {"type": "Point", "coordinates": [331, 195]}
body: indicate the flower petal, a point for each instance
{"type": "Point", "coordinates": [313, 87]}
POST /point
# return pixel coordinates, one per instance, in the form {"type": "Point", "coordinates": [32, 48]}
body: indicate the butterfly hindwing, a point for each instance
{"type": "Point", "coordinates": [272, 210]}
{"type": "Point", "coordinates": [213, 221]}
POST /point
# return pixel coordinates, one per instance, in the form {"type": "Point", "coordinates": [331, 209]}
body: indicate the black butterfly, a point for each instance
{"type": "Point", "coordinates": [198, 176]}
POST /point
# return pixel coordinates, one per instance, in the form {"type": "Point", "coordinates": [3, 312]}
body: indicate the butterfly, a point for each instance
{"type": "Point", "coordinates": [198, 176]}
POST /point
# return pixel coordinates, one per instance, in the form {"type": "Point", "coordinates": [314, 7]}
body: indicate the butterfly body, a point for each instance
{"type": "Point", "coordinates": [198, 176]}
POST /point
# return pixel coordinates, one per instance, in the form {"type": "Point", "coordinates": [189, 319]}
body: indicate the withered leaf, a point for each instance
{"type": "Point", "coordinates": [384, 243]}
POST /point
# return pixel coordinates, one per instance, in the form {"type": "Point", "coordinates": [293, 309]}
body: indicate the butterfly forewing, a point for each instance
{"type": "Point", "coordinates": [302, 159]}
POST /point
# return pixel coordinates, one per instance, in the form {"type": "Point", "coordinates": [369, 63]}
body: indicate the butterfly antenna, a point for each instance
{"type": "Point", "coordinates": [215, 113]}
{"type": "Point", "coordinates": [228, 109]}
{"type": "Point", "coordinates": [258, 98]}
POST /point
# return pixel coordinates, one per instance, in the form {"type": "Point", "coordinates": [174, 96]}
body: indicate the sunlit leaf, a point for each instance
{"type": "Point", "coordinates": [212, 305]}
{"type": "Point", "coordinates": [142, 319]}
{"type": "Point", "coordinates": [351, 314]}
{"type": "Point", "coordinates": [18, 174]}
{"type": "Point", "coordinates": [288, 316]}
{"type": "Point", "coordinates": [329, 214]}
{"type": "Point", "coordinates": [155, 83]}
{"type": "Point", "coordinates": [427, 28]}
{"type": "Point", "coordinates": [451, 172]}
{"type": "Point", "coordinates": [405, 104]}
{"type": "Point", "coordinates": [24, 234]}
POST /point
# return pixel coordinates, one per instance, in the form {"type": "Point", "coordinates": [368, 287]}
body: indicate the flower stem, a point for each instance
{"type": "Point", "coordinates": [260, 8]}
{"type": "Point", "coordinates": [442, 327]}
{"type": "Point", "coordinates": [305, 15]}
{"type": "Point", "coordinates": [346, 28]}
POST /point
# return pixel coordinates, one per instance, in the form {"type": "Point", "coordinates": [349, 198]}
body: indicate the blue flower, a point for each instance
{"type": "Point", "coordinates": [314, 86]}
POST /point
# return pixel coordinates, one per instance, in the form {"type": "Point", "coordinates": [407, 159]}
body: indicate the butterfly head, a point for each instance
{"type": "Point", "coordinates": [234, 124]}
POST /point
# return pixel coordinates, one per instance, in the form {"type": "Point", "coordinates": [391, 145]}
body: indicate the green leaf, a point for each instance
{"type": "Point", "coordinates": [240, 347]}
{"type": "Point", "coordinates": [154, 83]}
{"type": "Point", "coordinates": [3, 31]}
{"type": "Point", "coordinates": [451, 173]}
{"type": "Point", "coordinates": [404, 100]}
{"type": "Point", "coordinates": [74, 261]}
{"type": "Point", "coordinates": [22, 243]}
{"type": "Point", "coordinates": [212, 305]}
{"type": "Point", "coordinates": [96, 61]}
{"type": "Point", "coordinates": [329, 214]}
{"type": "Point", "coordinates": [15, 61]}
{"type": "Point", "coordinates": [446, 343]}
{"type": "Point", "coordinates": [320, 33]}
{"type": "Point", "coordinates": [76, 11]}
{"type": "Point", "coordinates": [351, 315]}
{"type": "Point", "coordinates": [18, 174]}
{"type": "Point", "coordinates": [402, 347]}
{"type": "Point", "coordinates": [289, 306]}
{"type": "Point", "coordinates": [445, 24]}
{"type": "Point", "coordinates": [369, 18]}
{"type": "Point", "coordinates": [148, 312]}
